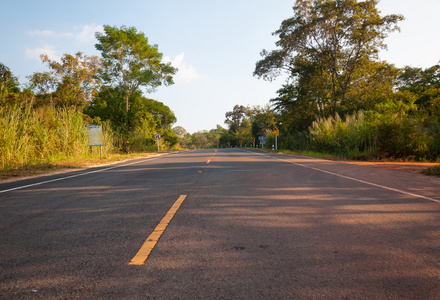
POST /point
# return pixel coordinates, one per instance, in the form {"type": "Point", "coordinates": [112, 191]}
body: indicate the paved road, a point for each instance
{"type": "Point", "coordinates": [252, 226]}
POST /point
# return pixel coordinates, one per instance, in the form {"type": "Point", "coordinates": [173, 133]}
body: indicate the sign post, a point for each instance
{"type": "Point", "coordinates": [276, 133]}
{"type": "Point", "coordinates": [157, 137]}
{"type": "Point", "coordinates": [94, 133]}
{"type": "Point", "coordinates": [253, 142]}
{"type": "Point", "coordinates": [262, 140]}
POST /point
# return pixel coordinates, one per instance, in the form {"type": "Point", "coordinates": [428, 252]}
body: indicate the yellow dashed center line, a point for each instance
{"type": "Point", "coordinates": [151, 241]}
{"type": "Point", "coordinates": [208, 161]}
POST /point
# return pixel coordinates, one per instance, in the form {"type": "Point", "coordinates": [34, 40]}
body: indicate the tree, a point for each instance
{"type": "Point", "coordinates": [180, 132]}
{"type": "Point", "coordinates": [71, 82]}
{"type": "Point", "coordinates": [213, 136]}
{"type": "Point", "coordinates": [7, 80]}
{"type": "Point", "coordinates": [235, 117]}
{"type": "Point", "coordinates": [425, 84]}
{"type": "Point", "coordinates": [263, 121]}
{"type": "Point", "coordinates": [9, 87]}
{"type": "Point", "coordinates": [108, 105]}
{"type": "Point", "coordinates": [162, 114]}
{"type": "Point", "coordinates": [130, 62]}
{"type": "Point", "coordinates": [327, 42]}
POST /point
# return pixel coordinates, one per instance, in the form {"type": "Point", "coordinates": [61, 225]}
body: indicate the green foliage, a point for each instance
{"type": "Point", "coordinates": [162, 114]}
{"type": "Point", "coordinates": [246, 123]}
{"type": "Point", "coordinates": [344, 137]}
{"type": "Point", "coordinates": [296, 140]}
{"type": "Point", "coordinates": [325, 45]}
{"type": "Point", "coordinates": [424, 85]}
{"type": "Point", "coordinates": [9, 87]}
{"type": "Point", "coordinates": [131, 62]}
{"type": "Point", "coordinates": [339, 98]}
{"type": "Point", "coordinates": [392, 129]}
{"type": "Point", "coordinates": [48, 121]}
{"type": "Point", "coordinates": [328, 50]}
{"type": "Point", "coordinates": [203, 139]}
{"type": "Point", "coordinates": [71, 82]}
{"type": "Point", "coordinates": [263, 120]}
{"type": "Point", "coordinates": [136, 128]}
{"type": "Point", "coordinates": [32, 136]}
{"type": "Point", "coordinates": [180, 132]}
{"type": "Point", "coordinates": [235, 117]}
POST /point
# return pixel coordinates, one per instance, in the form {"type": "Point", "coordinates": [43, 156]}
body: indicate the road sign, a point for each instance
{"type": "Point", "coordinates": [241, 142]}
{"type": "Point", "coordinates": [95, 135]}
{"type": "Point", "coordinates": [157, 137]}
{"type": "Point", "coordinates": [262, 140]}
{"type": "Point", "coordinates": [277, 134]}
{"type": "Point", "coordinates": [253, 140]}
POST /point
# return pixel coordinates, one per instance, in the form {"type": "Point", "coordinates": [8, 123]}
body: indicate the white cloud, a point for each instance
{"type": "Point", "coordinates": [41, 33]}
{"type": "Point", "coordinates": [49, 34]}
{"type": "Point", "coordinates": [84, 34]}
{"type": "Point", "coordinates": [186, 73]}
{"type": "Point", "coordinates": [87, 33]}
{"type": "Point", "coordinates": [36, 52]}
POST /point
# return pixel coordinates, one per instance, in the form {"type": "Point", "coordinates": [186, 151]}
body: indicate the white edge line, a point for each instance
{"type": "Point", "coordinates": [350, 178]}
{"type": "Point", "coordinates": [81, 174]}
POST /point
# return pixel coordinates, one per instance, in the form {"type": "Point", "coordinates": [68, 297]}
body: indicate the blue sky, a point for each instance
{"type": "Point", "coordinates": [215, 44]}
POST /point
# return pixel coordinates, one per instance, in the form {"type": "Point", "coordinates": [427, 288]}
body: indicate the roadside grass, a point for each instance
{"type": "Point", "coordinates": [66, 164]}
{"type": "Point", "coordinates": [36, 141]}
{"type": "Point", "coordinates": [311, 154]}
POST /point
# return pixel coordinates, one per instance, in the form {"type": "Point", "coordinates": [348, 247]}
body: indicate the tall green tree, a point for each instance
{"type": "Point", "coordinates": [130, 62]}
{"type": "Point", "coordinates": [331, 40]}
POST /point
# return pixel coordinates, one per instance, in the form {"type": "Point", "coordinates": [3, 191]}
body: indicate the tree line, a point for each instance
{"type": "Point", "coordinates": [102, 90]}
{"type": "Point", "coordinates": [339, 97]}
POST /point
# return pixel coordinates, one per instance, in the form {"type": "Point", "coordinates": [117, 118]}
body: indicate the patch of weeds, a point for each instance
{"type": "Point", "coordinates": [431, 171]}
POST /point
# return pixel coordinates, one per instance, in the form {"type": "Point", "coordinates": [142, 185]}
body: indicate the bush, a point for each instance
{"type": "Point", "coordinates": [398, 130]}
{"type": "Point", "coordinates": [299, 140]}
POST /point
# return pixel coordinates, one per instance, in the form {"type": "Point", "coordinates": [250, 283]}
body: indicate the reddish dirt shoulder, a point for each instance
{"type": "Point", "coordinates": [409, 167]}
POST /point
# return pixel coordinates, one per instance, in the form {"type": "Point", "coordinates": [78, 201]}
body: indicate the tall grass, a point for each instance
{"type": "Point", "coordinates": [350, 136]}
{"type": "Point", "coordinates": [45, 134]}
{"type": "Point", "coordinates": [375, 134]}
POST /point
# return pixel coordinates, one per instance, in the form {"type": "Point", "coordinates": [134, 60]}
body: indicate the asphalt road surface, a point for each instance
{"type": "Point", "coordinates": [252, 226]}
